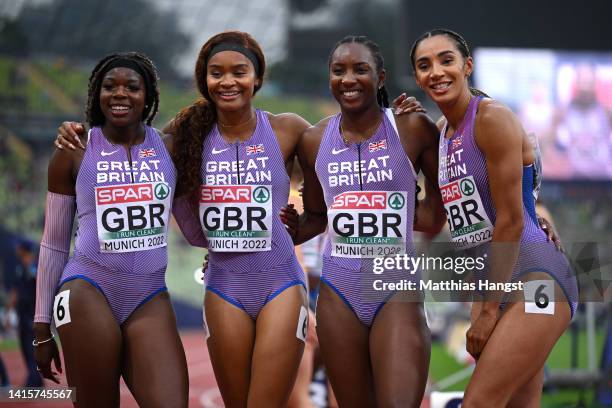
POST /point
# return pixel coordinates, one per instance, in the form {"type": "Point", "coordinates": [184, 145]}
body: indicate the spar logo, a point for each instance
{"type": "Point", "coordinates": [467, 187]}
{"type": "Point", "coordinates": [225, 194]}
{"type": "Point", "coordinates": [261, 194]}
{"type": "Point", "coordinates": [396, 201]}
{"type": "Point", "coordinates": [131, 210]}
{"type": "Point", "coordinates": [161, 191]}
{"type": "Point", "coordinates": [125, 194]}
{"type": "Point", "coordinates": [451, 192]}
{"type": "Point", "coordinates": [366, 200]}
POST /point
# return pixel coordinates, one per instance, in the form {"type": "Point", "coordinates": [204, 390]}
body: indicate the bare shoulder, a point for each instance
{"type": "Point", "coordinates": [167, 139]}
{"type": "Point", "coordinates": [62, 170]}
{"type": "Point", "coordinates": [315, 132]}
{"type": "Point", "coordinates": [495, 118]}
{"type": "Point", "coordinates": [492, 112]}
{"type": "Point", "coordinates": [290, 122]}
{"type": "Point", "coordinates": [418, 125]}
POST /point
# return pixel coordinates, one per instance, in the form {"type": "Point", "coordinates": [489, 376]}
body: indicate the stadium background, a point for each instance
{"type": "Point", "coordinates": [48, 48]}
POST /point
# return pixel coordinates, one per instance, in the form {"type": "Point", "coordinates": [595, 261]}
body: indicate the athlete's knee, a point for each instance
{"type": "Point", "coordinates": [407, 400]}
{"type": "Point", "coordinates": [172, 398]}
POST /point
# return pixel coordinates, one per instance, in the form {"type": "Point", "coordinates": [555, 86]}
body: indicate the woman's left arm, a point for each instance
{"type": "Point", "coordinates": [499, 135]}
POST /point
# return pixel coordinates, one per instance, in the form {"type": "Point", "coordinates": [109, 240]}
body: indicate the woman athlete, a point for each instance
{"type": "Point", "coordinates": [486, 177]}
{"type": "Point", "coordinates": [112, 310]}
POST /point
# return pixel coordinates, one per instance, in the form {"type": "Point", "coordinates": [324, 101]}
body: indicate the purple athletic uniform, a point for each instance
{"type": "Point", "coordinates": [123, 212]}
{"type": "Point", "coordinates": [464, 185]}
{"type": "Point", "coordinates": [369, 187]}
{"type": "Point", "coordinates": [244, 185]}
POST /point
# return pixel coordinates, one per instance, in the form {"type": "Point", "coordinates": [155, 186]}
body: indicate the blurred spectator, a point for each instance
{"type": "Point", "coordinates": [584, 129]}
{"type": "Point", "coordinates": [22, 299]}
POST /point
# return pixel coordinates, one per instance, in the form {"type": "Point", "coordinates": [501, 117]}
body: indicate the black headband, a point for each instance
{"type": "Point", "coordinates": [230, 46]}
{"type": "Point", "coordinates": [123, 62]}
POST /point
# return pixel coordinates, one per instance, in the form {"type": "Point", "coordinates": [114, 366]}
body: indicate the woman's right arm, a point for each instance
{"type": "Point", "coordinates": [313, 220]}
{"type": "Point", "coordinates": [54, 251]}
{"type": "Point", "coordinates": [184, 211]}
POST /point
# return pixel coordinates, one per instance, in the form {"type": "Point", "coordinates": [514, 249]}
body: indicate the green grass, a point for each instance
{"type": "Point", "coordinates": [182, 262]}
{"type": "Point", "coordinates": [70, 80]}
{"type": "Point", "coordinates": [73, 82]}
{"type": "Point", "coordinates": [9, 344]}
{"type": "Point", "coordinates": [443, 365]}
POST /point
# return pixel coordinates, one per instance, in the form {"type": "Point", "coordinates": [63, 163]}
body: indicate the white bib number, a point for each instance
{"type": "Point", "coordinates": [368, 224]}
{"type": "Point", "coordinates": [61, 308]}
{"type": "Point", "coordinates": [539, 296]}
{"type": "Point", "coordinates": [133, 217]}
{"type": "Point", "coordinates": [237, 218]}
{"type": "Point", "coordinates": [467, 219]}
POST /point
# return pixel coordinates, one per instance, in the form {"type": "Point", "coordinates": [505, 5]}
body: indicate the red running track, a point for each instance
{"type": "Point", "coordinates": [203, 391]}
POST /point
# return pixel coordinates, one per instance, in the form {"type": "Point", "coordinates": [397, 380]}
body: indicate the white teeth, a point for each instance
{"type": "Point", "coordinates": [350, 93]}
{"type": "Point", "coordinates": [122, 108]}
{"type": "Point", "coordinates": [229, 93]}
{"type": "Point", "coordinates": [442, 85]}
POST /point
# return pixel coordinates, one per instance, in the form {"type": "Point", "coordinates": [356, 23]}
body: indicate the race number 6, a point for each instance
{"type": "Point", "coordinates": [61, 309]}
{"type": "Point", "coordinates": [540, 296]}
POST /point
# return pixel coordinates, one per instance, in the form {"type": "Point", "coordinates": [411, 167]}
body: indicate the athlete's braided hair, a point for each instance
{"type": "Point", "coordinates": [194, 122]}
{"type": "Point", "coordinates": [381, 96]}
{"type": "Point", "coordinates": [93, 112]}
{"type": "Point", "coordinates": [460, 43]}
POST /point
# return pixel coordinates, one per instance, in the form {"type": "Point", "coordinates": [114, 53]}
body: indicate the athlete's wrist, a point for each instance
{"type": "Point", "coordinates": [42, 331]}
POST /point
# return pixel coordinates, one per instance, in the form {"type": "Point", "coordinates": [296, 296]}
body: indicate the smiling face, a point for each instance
{"type": "Point", "coordinates": [440, 69]}
{"type": "Point", "coordinates": [122, 97]}
{"type": "Point", "coordinates": [353, 77]}
{"type": "Point", "coordinates": [231, 80]}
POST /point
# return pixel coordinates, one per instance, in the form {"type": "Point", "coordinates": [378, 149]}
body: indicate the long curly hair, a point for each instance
{"type": "Point", "coordinates": [193, 123]}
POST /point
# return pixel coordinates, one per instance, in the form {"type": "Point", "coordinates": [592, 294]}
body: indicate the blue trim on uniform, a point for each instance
{"type": "Point", "coordinates": [282, 288]}
{"type": "Point", "coordinates": [528, 199]}
{"type": "Point", "coordinates": [329, 284]}
{"type": "Point", "coordinates": [145, 300]}
{"type": "Point", "coordinates": [381, 305]}
{"type": "Point", "coordinates": [87, 279]}
{"type": "Point", "coordinates": [226, 298]}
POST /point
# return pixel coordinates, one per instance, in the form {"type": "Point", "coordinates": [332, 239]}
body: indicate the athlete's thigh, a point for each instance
{"type": "Point", "coordinates": [154, 365]}
{"type": "Point", "coordinates": [278, 350]}
{"type": "Point", "coordinates": [230, 346]}
{"type": "Point", "coordinates": [344, 343]}
{"type": "Point", "coordinates": [400, 348]}
{"type": "Point", "coordinates": [515, 352]}
{"type": "Point", "coordinates": [91, 344]}
{"type": "Point", "coordinates": [529, 395]}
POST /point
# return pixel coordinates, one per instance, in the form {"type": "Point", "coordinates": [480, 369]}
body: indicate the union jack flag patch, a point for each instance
{"type": "Point", "coordinates": [376, 146]}
{"type": "Point", "coordinates": [457, 141]}
{"type": "Point", "coordinates": [142, 153]}
{"type": "Point", "coordinates": [253, 149]}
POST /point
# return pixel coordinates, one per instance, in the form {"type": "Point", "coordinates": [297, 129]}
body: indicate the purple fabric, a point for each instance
{"type": "Point", "coordinates": [352, 278]}
{"type": "Point", "coordinates": [536, 254]}
{"type": "Point", "coordinates": [54, 251]}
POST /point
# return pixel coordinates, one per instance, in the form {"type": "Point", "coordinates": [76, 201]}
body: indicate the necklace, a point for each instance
{"type": "Point", "coordinates": [369, 131]}
{"type": "Point", "coordinates": [239, 124]}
